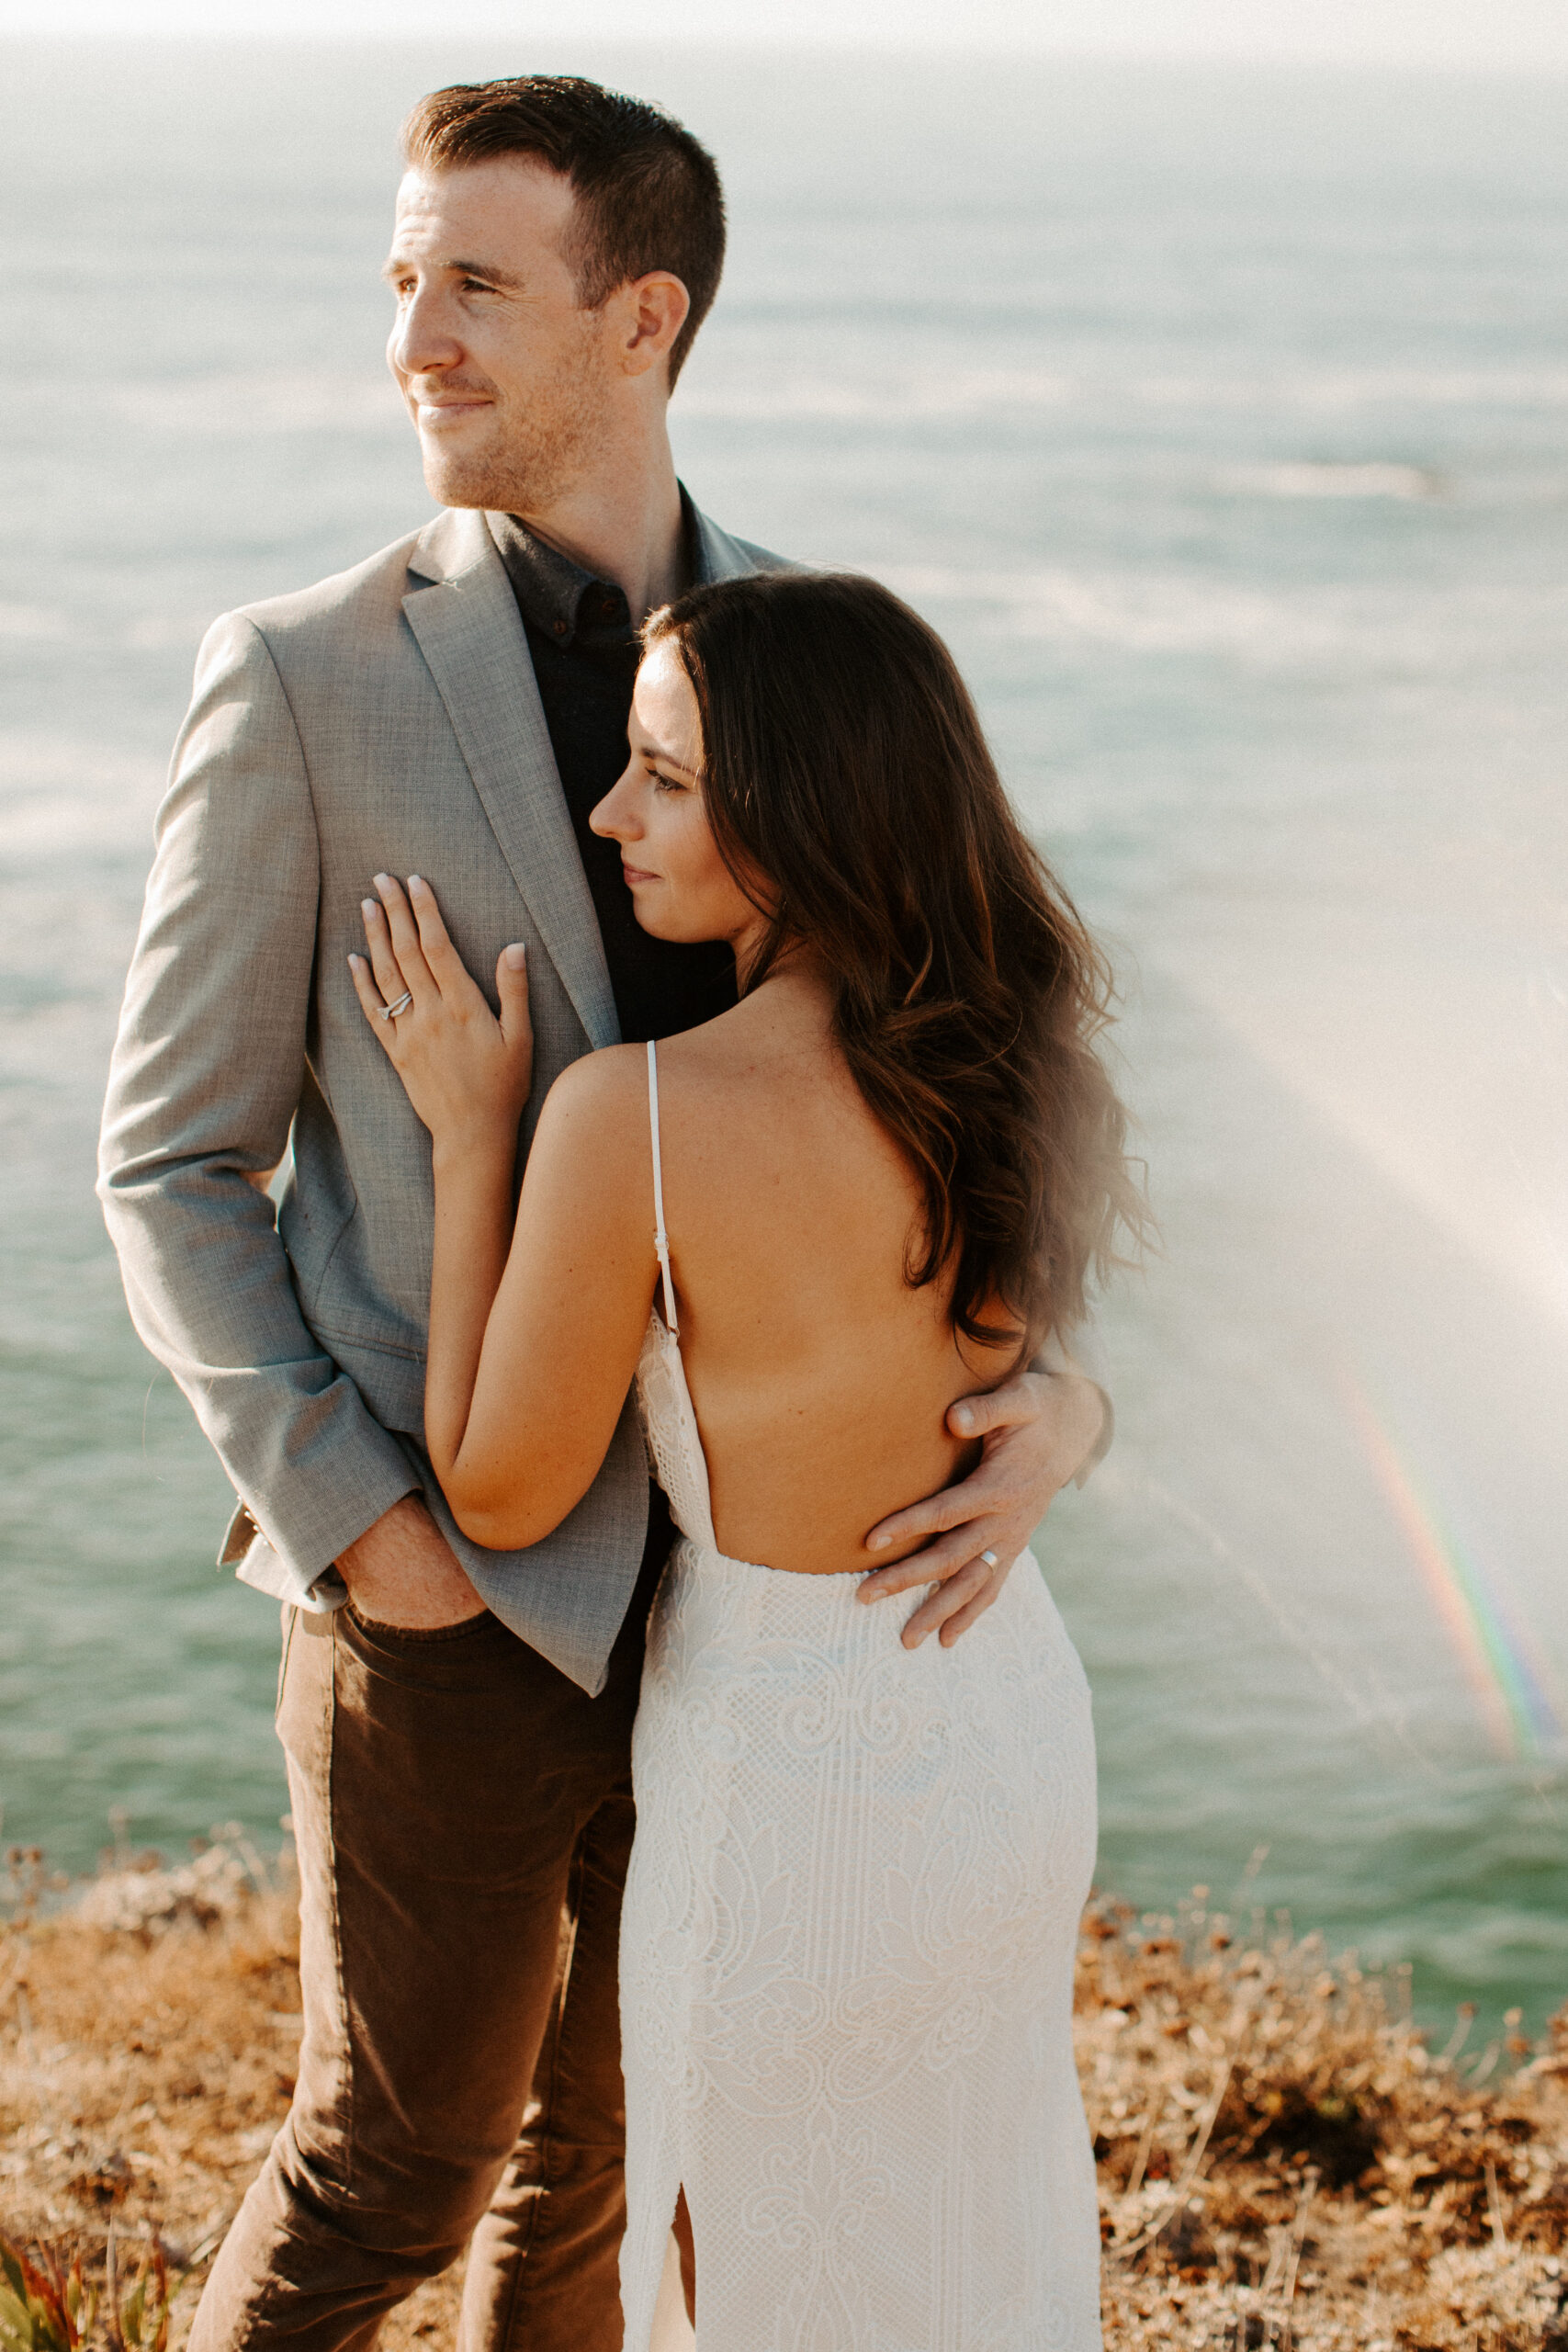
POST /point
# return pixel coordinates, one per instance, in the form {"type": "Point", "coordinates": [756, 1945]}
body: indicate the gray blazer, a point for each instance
{"type": "Point", "coordinates": [387, 718]}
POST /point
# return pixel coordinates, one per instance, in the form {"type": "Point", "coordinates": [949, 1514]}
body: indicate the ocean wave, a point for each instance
{"type": "Point", "coordinates": [231, 407]}
{"type": "Point", "coordinates": [724, 390]}
{"type": "Point", "coordinates": [58, 795]}
{"type": "Point", "coordinates": [1147, 612]}
{"type": "Point", "coordinates": [736, 380]}
{"type": "Point", "coordinates": [1170, 612]}
{"type": "Point", "coordinates": [34, 621]}
{"type": "Point", "coordinates": [1311, 477]}
{"type": "Point", "coordinates": [878, 398]}
{"type": "Point", "coordinates": [1352, 388]}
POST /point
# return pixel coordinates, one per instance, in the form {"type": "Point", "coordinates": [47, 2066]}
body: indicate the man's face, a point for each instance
{"type": "Point", "coordinates": [506, 377]}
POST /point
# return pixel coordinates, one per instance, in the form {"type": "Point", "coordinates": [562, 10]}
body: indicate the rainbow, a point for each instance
{"type": "Point", "coordinates": [1509, 1679]}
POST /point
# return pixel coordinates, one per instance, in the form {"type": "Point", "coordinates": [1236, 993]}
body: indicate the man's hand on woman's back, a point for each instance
{"type": "Point", "coordinates": [1037, 1431]}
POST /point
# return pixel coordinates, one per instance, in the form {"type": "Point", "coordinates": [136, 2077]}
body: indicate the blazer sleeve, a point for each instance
{"type": "Point", "coordinates": [1086, 1355]}
{"type": "Point", "coordinates": [206, 1071]}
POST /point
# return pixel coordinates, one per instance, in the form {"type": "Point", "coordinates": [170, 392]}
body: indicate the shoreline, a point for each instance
{"type": "Point", "coordinates": [1283, 2157]}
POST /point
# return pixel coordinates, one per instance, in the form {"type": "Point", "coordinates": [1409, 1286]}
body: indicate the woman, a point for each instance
{"type": "Point", "coordinates": [871, 1188]}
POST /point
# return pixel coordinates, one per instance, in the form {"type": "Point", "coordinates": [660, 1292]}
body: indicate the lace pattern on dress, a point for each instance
{"type": "Point", "coordinates": [669, 1428]}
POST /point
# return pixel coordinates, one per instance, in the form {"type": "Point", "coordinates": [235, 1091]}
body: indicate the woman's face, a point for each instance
{"type": "Point", "coordinates": [681, 886]}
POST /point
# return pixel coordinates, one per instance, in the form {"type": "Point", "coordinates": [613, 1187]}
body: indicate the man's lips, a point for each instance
{"type": "Point", "coordinates": [436, 412]}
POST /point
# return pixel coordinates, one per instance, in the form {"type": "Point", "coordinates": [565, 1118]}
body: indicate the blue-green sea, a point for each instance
{"type": "Point", "coordinates": [1220, 417]}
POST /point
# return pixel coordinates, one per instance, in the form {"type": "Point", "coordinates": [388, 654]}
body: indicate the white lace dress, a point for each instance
{"type": "Point", "coordinates": [847, 1951]}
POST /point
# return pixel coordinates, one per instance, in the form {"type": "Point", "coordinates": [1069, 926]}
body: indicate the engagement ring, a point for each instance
{"type": "Point", "coordinates": [991, 1559]}
{"type": "Point", "coordinates": [390, 1011]}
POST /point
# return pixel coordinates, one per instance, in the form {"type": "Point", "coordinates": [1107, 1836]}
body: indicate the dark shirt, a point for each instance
{"type": "Point", "coordinates": [585, 656]}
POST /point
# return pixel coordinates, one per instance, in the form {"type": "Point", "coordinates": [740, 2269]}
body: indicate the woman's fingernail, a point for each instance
{"type": "Point", "coordinates": [964, 1416]}
{"type": "Point", "coordinates": [516, 958]}
{"type": "Point", "coordinates": [416, 882]}
{"type": "Point", "coordinates": [368, 907]}
{"type": "Point", "coordinates": [876, 1542]}
{"type": "Point", "coordinates": [382, 881]}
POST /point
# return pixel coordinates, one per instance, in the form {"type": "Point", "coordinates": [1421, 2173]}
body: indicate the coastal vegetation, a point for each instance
{"type": "Point", "coordinates": [1284, 2159]}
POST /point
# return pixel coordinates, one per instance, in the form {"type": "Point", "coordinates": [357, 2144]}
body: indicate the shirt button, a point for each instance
{"type": "Point", "coordinates": [561, 628]}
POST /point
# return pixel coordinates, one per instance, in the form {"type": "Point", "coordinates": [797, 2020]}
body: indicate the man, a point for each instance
{"type": "Point", "coordinates": [456, 1734]}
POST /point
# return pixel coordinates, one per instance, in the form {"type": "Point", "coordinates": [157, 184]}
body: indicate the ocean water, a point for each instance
{"type": "Point", "coordinates": [1221, 420]}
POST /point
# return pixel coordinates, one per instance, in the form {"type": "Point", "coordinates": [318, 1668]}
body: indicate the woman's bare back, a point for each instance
{"type": "Point", "coordinates": [820, 1378]}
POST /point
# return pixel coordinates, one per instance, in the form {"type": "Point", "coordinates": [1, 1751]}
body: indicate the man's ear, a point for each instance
{"type": "Point", "coordinates": [653, 309]}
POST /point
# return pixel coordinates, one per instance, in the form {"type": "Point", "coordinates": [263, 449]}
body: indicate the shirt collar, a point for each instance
{"type": "Point", "coordinates": [558, 597]}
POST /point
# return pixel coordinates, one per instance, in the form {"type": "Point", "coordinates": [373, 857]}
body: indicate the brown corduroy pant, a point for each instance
{"type": "Point", "coordinates": [463, 1815]}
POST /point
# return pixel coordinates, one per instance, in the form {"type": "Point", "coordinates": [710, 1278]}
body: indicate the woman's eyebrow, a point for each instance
{"type": "Point", "coordinates": [647, 749]}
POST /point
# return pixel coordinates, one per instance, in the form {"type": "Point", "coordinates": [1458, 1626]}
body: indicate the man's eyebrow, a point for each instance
{"type": "Point", "coordinates": [396, 266]}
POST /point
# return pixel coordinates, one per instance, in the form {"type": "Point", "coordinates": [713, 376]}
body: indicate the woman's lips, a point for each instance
{"type": "Point", "coordinates": [632, 875]}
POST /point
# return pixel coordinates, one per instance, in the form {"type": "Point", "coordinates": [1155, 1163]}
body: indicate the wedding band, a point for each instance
{"type": "Point", "coordinates": [390, 1011]}
{"type": "Point", "coordinates": [991, 1559]}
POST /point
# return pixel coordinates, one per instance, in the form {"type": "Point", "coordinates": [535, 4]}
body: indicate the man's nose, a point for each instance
{"type": "Point", "coordinates": [422, 341]}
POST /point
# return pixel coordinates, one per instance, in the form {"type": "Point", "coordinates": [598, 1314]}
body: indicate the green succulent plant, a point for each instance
{"type": "Point", "coordinates": [46, 2306]}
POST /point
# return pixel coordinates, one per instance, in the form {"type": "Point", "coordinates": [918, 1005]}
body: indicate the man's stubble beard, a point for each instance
{"type": "Point", "coordinates": [544, 451]}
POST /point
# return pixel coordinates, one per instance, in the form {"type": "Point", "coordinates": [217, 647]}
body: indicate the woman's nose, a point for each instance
{"type": "Point", "coordinates": [613, 817]}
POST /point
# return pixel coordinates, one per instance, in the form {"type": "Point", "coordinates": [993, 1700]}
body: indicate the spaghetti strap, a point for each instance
{"type": "Point", "coordinates": [660, 1238]}
{"type": "Point", "coordinates": [669, 1418]}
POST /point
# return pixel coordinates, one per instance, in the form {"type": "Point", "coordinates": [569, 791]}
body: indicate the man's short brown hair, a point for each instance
{"type": "Point", "coordinates": [647, 193]}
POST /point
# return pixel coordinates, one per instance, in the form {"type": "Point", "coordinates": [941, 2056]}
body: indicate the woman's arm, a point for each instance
{"type": "Point", "coordinates": [473, 1210]}
{"type": "Point", "coordinates": [532, 1348]}
{"type": "Point", "coordinates": [561, 1345]}
{"type": "Point", "coordinates": [467, 1076]}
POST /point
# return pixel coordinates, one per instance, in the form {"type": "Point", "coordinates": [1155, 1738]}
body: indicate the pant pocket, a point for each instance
{"type": "Point", "coordinates": [417, 1637]}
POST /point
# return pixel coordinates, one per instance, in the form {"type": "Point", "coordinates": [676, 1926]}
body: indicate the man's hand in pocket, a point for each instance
{"type": "Point", "coordinates": [402, 1571]}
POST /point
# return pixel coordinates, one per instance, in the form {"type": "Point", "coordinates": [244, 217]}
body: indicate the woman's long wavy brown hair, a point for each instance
{"type": "Point", "coordinates": [852, 795]}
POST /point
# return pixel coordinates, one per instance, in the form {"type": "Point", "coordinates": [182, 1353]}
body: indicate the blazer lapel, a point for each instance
{"type": "Point", "coordinates": [467, 623]}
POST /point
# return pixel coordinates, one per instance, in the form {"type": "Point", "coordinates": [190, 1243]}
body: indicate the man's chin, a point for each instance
{"type": "Point", "coordinates": [453, 480]}
{"type": "Point", "coordinates": [448, 489]}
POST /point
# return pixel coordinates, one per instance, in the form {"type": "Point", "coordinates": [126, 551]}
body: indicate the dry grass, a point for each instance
{"type": "Point", "coordinates": [144, 2068]}
{"type": "Point", "coordinates": [1282, 2160]}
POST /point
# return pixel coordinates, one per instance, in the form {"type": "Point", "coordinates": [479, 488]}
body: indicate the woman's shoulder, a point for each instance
{"type": "Point", "coordinates": [608, 1090]}
{"type": "Point", "coordinates": [601, 1080]}
{"type": "Point", "coordinates": [599, 1103]}
{"type": "Point", "coordinates": [588, 1160]}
